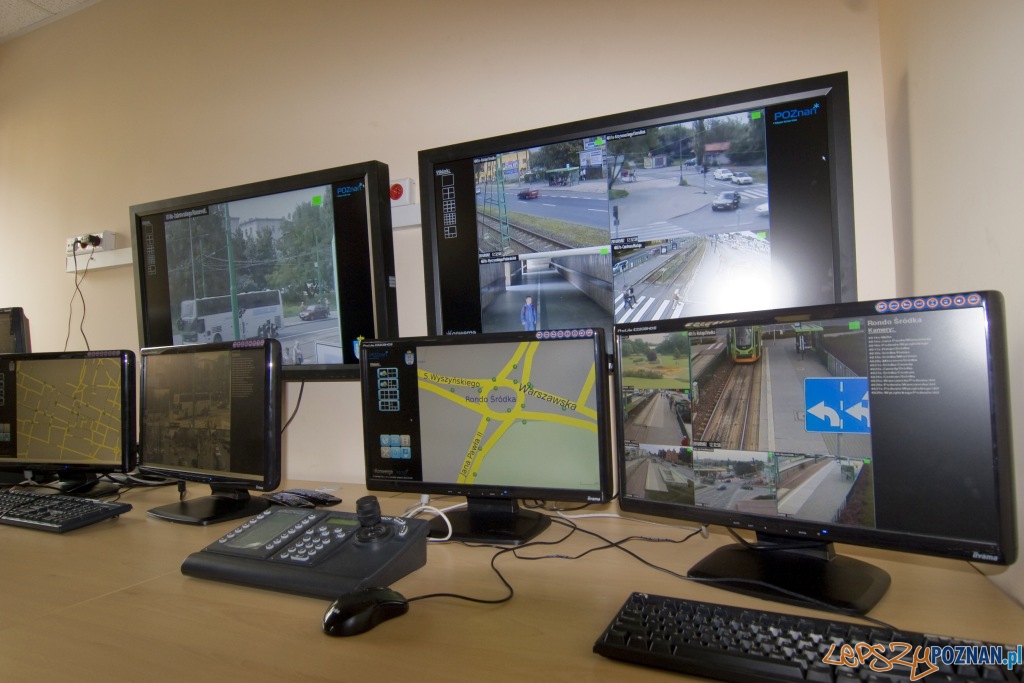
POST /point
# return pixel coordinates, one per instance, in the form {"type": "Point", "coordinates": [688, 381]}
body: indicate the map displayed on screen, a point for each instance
{"type": "Point", "coordinates": [64, 410]}
{"type": "Point", "coordinates": [511, 414]}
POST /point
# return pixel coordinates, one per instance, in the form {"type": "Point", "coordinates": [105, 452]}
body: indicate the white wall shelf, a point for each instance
{"type": "Point", "coordinates": [100, 259]}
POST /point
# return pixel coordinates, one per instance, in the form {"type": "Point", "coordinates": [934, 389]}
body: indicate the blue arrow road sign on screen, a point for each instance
{"type": "Point", "coordinates": [837, 404]}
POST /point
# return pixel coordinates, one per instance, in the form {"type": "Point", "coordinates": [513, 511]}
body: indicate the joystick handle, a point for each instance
{"type": "Point", "coordinates": [368, 511]}
{"type": "Point", "coordinates": [372, 528]}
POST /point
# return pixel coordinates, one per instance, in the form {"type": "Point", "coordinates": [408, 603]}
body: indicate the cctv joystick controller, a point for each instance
{"type": "Point", "coordinates": [372, 528]}
{"type": "Point", "coordinates": [323, 553]}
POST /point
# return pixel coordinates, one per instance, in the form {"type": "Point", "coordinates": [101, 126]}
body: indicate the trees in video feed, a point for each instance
{"type": "Point", "coordinates": [236, 248]}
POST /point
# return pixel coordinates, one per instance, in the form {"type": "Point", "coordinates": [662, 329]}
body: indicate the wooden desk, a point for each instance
{"type": "Point", "coordinates": [109, 603]}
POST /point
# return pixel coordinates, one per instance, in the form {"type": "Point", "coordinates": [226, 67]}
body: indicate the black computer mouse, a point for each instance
{"type": "Point", "coordinates": [359, 611]}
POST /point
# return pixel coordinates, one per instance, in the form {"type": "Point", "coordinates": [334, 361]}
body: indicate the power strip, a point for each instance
{"type": "Point", "coordinates": [91, 242]}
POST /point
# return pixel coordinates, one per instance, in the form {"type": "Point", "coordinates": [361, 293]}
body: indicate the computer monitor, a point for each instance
{"type": "Point", "coordinates": [305, 259]}
{"type": "Point", "coordinates": [211, 413]}
{"type": "Point", "coordinates": [495, 418]}
{"type": "Point", "coordinates": [879, 423]}
{"type": "Point", "coordinates": [14, 335]}
{"type": "Point", "coordinates": [645, 215]}
{"type": "Point", "coordinates": [68, 419]}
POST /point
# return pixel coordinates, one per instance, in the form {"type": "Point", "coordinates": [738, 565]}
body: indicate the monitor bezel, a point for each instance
{"type": "Point", "coordinates": [605, 490]}
{"type": "Point", "coordinates": [69, 471]}
{"type": "Point", "coordinates": [379, 259]}
{"type": "Point", "coordinates": [270, 478]}
{"type": "Point", "coordinates": [832, 86]}
{"type": "Point", "coordinates": [1003, 551]}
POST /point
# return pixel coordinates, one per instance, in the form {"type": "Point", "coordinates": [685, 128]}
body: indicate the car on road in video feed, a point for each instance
{"type": "Point", "coordinates": [528, 194]}
{"type": "Point", "coordinates": [761, 210]}
{"type": "Point", "coordinates": [741, 178]}
{"type": "Point", "coordinates": [722, 174]}
{"type": "Point", "coordinates": [314, 312]}
{"type": "Point", "coordinates": [726, 201]}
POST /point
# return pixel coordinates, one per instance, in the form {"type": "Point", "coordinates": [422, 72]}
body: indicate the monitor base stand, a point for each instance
{"type": "Point", "coordinates": [822, 576]}
{"type": "Point", "coordinates": [225, 504]}
{"type": "Point", "coordinates": [491, 521]}
{"type": "Point", "coordinates": [88, 487]}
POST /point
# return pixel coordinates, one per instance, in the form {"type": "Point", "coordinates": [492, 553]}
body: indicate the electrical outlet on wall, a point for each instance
{"type": "Point", "coordinates": [89, 242]}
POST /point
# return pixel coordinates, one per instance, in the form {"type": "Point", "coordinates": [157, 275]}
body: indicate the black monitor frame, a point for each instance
{"type": "Point", "coordinates": [361, 299]}
{"type": "Point", "coordinates": [230, 485]}
{"type": "Point", "coordinates": [78, 475]}
{"type": "Point", "coordinates": [14, 331]}
{"type": "Point", "coordinates": [918, 505]}
{"type": "Point", "coordinates": [810, 183]}
{"type": "Point", "coordinates": [493, 514]}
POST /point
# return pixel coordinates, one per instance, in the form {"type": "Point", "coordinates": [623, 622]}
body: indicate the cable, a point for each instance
{"type": "Point", "coordinates": [608, 544]}
{"type": "Point", "coordinates": [295, 410]}
{"type": "Point", "coordinates": [703, 529]}
{"type": "Point", "coordinates": [501, 577]}
{"type": "Point", "coordinates": [78, 293]}
{"type": "Point", "coordinates": [423, 507]}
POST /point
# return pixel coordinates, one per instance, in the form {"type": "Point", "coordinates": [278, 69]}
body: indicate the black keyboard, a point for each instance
{"type": "Point", "coordinates": [54, 511]}
{"type": "Point", "coordinates": [753, 645]}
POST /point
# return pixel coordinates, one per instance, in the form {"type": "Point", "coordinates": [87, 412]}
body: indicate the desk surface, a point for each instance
{"type": "Point", "coordinates": [109, 603]}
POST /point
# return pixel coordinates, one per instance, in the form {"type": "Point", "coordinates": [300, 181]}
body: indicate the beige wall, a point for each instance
{"type": "Point", "coordinates": [953, 86]}
{"type": "Point", "coordinates": [134, 100]}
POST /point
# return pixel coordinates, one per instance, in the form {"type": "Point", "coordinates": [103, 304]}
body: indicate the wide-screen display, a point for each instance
{"type": "Point", "coordinates": [14, 335]}
{"type": "Point", "coordinates": [739, 202]}
{"type": "Point", "coordinates": [73, 411]}
{"type": "Point", "coordinates": [305, 260]}
{"type": "Point", "coordinates": [829, 422]}
{"type": "Point", "coordinates": [208, 413]}
{"type": "Point", "coordinates": [520, 415]}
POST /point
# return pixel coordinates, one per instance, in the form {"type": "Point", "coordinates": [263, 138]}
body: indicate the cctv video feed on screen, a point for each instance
{"type": "Point", "coordinates": [280, 264]}
{"type": "Point", "coordinates": [719, 210]}
{"type": "Point", "coordinates": [879, 419]}
{"type": "Point", "coordinates": [304, 259]}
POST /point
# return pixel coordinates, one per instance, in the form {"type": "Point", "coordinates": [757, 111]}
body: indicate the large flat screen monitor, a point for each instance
{"type": "Point", "coordinates": [14, 335]}
{"type": "Point", "coordinates": [740, 201]}
{"type": "Point", "coordinates": [496, 418]}
{"type": "Point", "coordinates": [68, 418]}
{"type": "Point", "coordinates": [211, 413]}
{"type": "Point", "coordinates": [305, 259]}
{"type": "Point", "coordinates": [880, 423]}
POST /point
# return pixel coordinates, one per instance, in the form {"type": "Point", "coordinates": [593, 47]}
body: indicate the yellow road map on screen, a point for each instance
{"type": "Point", "coordinates": [69, 409]}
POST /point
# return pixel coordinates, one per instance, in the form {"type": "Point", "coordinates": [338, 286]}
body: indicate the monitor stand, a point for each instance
{"type": "Point", "coordinates": [815, 572]}
{"type": "Point", "coordinates": [496, 521]}
{"type": "Point", "coordinates": [225, 504]}
{"type": "Point", "coordinates": [87, 486]}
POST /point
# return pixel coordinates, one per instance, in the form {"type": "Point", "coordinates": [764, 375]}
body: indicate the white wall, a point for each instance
{"type": "Point", "coordinates": [953, 87]}
{"type": "Point", "coordinates": [128, 101]}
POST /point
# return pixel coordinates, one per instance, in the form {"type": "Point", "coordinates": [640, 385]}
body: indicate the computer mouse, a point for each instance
{"type": "Point", "coordinates": [359, 611]}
